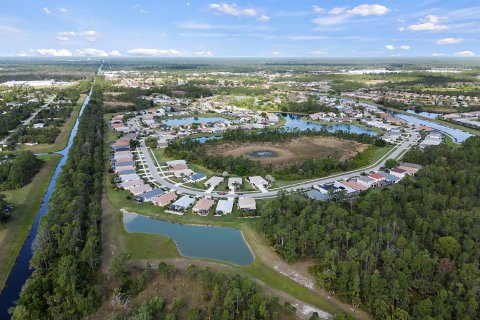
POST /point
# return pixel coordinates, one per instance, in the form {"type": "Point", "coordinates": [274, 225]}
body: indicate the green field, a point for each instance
{"type": "Point", "coordinates": [26, 202]}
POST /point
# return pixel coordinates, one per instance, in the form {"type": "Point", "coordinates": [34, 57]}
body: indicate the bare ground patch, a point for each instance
{"type": "Point", "coordinates": [291, 152]}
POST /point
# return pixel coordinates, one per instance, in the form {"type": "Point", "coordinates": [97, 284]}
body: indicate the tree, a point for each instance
{"type": "Point", "coordinates": [447, 247]}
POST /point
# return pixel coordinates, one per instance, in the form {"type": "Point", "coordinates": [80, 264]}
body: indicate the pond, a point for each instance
{"type": "Point", "coordinates": [216, 243]}
{"type": "Point", "coordinates": [430, 115]}
{"type": "Point", "coordinates": [205, 139]}
{"type": "Point", "coordinates": [262, 154]}
{"type": "Point", "coordinates": [293, 121]}
{"type": "Point", "coordinates": [190, 120]}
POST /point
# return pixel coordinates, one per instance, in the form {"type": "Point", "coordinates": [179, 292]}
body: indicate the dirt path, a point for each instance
{"type": "Point", "coordinates": [298, 271]}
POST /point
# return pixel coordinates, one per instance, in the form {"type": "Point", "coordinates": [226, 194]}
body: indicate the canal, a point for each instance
{"type": "Point", "coordinates": [21, 270]}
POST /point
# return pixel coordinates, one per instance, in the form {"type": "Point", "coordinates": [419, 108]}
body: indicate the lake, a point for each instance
{"type": "Point", "coordinates": [215, 243]}
{"type": "Point", "coordinates": [425, 114]}
{"type": "Point", "coordinates": [294, 121]}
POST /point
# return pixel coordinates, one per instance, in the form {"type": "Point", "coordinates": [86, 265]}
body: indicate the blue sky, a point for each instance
{"type": "Point", "coordinates": [269, 28]}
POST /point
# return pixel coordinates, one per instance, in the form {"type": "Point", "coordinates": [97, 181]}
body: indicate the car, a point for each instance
{"type": "Point", "coordinates": [222, 193]}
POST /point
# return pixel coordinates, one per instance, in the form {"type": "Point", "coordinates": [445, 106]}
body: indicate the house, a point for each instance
{"type": "Point", "coordinates": [149, 195]}
{"type": "Point", "coordinates": [224, 207]}
{"type": "Point", "coordinates": [202, 207]}
{"type": "Point", "coordinates": [131, 184]}
{"type": "Point", "coordinates": [366, 181]}
{"type": "Point", "coordinates": [258, 182]}
{"type": "Point", "coordinates": [317, 195]}
{"type": "Point", "coordinates": [355, 185]}
{"type": "Point", "coordinates": [123, 164]}
{"type": "Point", "coordinates": [197, 177]}
{"type": "Point", "coordinates": [126, 172]}
{"type": "Point", "coordinates": [410, 168]}
{"type": "Point", "coordinates": [342, 186]}
{"type": "Point", "coordinates": [247, 204]}
{"type": "Point", "coordinates": [389, 178]}
{"type": "Point", "coordinates": [124, 168]}
{"type": "Point", "coordinates": [128, 177]}
{"type": "Point", "coordinates": [234, 182]}
{"type": "Point", "coordinates": [378, 178]}
{"type": "Point", "coordinates": [397, 172]}
{"type": "Point", "coordinates": [38, 125]}
{"type": "Point", "coordinates": [165, 199]}
{"type": "Point", "coordinates": [180, 166]}
{"type": "Point", "coordinates": [172, 163]}
{"type": "Point", "coordinates": [140, 189]}
{"type": "Point", "coordinates": [182, 204]}
{"type": "Point", "coordinates": [272, 118]}
{"type": "Point", "coordinates": [213, 182]}
{"type": "Point", "coordinates": [183, 173]}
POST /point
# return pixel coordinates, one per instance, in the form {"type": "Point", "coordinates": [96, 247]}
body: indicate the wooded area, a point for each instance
{"type": "Point", "coordinates": [63, 284]}
{"type": "Point", "coordinates": [408, 251]}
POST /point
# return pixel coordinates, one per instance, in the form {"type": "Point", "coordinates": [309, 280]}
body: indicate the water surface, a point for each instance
{"type": "Point", "coordinates": [216, 243]}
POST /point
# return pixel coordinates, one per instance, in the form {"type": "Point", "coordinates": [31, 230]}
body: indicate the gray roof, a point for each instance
{"type": "Point", "coordinates": [184, 202]}
{"type": "Point", "coordinates": [365, 179]}
{"type": "Point", "coordinates": [125, 172]}
{"type": "Point", "coordinates": [389, 177]}
{"type": "Point", "coordinates": [152, 194]}
{"type": "Point", "coordinates": [224, 206]}
{"type": "Point", "coordinates": [317, 195]}
{"type": "Point", "coordinates": [124, 164]}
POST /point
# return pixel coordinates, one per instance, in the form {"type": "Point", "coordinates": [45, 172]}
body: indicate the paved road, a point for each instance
{"type": "Point", "coordinates": [396, 153]}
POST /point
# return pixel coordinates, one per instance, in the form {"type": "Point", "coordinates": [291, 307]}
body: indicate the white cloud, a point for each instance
{"type": "Point", "coordinates": [275, 53]}
{"type": "Point", "coordinates": [115, 53]}
{"type": "Point", "coordinates": [449, 41]}
{"type": "Point", "coordinates": [389, 47]}
{"type": "Point", "coordinates": [330, 21]}
{"type": "Point", "coordinates": [369, 10]}
{"type": "Point", "coordinates": [54, 52]}
{"type": "Point", "coordinates": [203, 53]}
{"type": "Point", "coordinates": [138, 8]}
{"type": "Point", "coordinates": [46, 10]}
{"type": "Point", "coordinates": [90, 35]}
{"type": "Point", "coordinates": [263, 18]}
{"type": "Point", "coordinates": [429, 23]}
{"type": "Point", "coordinates": [63, 10]}
{"type": "Point", "coordinates": [233, 10]}
{"type": "Point", "coordinates": [65, 36]}
{"type": "Point", "coordinates": [147, 52]}
{"type": "Point", "coordinates": [340, 15]}
{"type": "Point", "coordinates": [318, 9]}
{"type": "Point", "coordinates": [337, 10]}
{"type": "Point", "coordinates": [405, 47]}
{"type": "Point", "coordinates": [22, 54]}
{"type": "Point", "coordinates": [318, 53]}
{"type": "Point", "coordinates": [91, 52]}
{"type": "Point", "coordinates": [436, 54]}
{"type": "Point", "coordinates": [465, 54]}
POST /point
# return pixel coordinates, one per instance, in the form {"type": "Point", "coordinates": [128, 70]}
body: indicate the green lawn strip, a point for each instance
{"type": "Point", "coordinates": [26, 202]}
{"type": "Point", "coordinates": [62, 139]}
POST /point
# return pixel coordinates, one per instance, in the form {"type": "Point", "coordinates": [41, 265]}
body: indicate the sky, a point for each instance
{"type": "Point", "coordinates": [268, 28]}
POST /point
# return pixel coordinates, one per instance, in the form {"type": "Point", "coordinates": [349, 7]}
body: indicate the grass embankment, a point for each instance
{"type": "Point", "coordinates": [154, 247]}
{"type": "Point", "coordinates": [26, 202]}
{"type": "Point", "coordinates": [62, 139]}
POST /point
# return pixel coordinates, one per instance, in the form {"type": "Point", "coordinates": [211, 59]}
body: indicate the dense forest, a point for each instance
{"type": "Point", "coordinates": [63, 284]}
{"type": "Point", "coordinates": [310, 106]}
{"type": "Point", "coordinates": [18, 170]}
{"type": "Point", "coordinates": [218, 295]}
{"type": "Point", "coordinates": [408, 251]}
{"type": "Point", "coordinates": [192, 150]}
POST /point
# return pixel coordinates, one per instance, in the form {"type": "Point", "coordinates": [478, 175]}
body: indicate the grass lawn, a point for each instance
{"type": "Point", "coordinates": [62, 139]}
{"type": "Point", "coordinates": [26, 201]}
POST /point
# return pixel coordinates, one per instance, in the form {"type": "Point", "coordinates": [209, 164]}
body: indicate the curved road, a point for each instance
{"type": "Point", "coordinates": [397, 152]}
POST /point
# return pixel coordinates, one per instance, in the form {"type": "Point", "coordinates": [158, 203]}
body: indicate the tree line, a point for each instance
{"type": "Point", "coordinates": [410, 251]}
{"type": "Point", "coordinates": [63, 284]}
{"type": "Point", "coordinates": [18, 170]}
